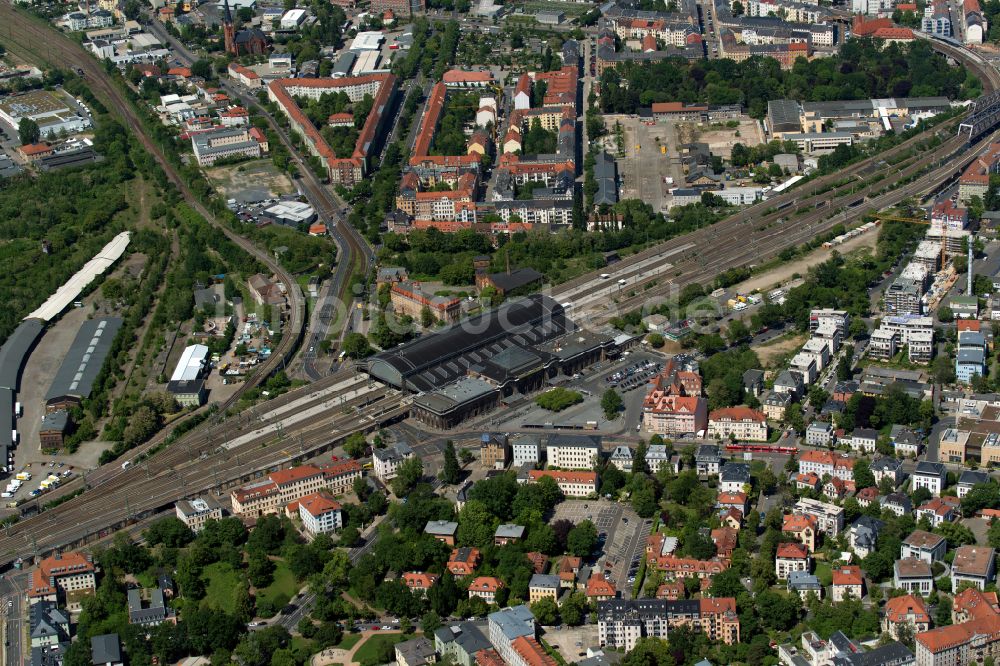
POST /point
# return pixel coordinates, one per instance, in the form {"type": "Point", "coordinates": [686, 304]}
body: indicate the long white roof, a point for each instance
{"type": "Point", "coordinates": [190, 365]}
{"type": "Point", "coordinates": [69, 291]}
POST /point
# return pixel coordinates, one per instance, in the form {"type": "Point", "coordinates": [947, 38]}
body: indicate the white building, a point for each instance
{"type": "Point", "coordinates": [386, 462]}
{"type": "Point", "coordinates": [320, 513]}
{"type": "Point", "coordinates": [573, 451]}
{"type": "Point", "coordinates": [525, 450]}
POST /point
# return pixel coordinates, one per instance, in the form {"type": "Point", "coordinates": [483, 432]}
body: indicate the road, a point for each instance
{"type": "Point", "coordinates": [352, 248]}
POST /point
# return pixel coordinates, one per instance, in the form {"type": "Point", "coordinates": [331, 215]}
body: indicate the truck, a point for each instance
{"type": "Point", "coordinates": [23, 476]}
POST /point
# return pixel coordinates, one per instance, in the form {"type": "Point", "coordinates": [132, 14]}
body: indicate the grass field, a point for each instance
{"type": "Point", "coordinates": [220, 579]}
{"type": "Point", "coordinates": [369, 650]}
{"type": "Point", "coordinates": [281, 590]}
{"type": "Point", "coordinates": [348, 641]}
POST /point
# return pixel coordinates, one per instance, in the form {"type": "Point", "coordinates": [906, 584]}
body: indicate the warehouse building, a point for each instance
{"type": "Point", "coordinates": [186, 384]}
{"type": "Point", "coordinates": [54, 111]}
{"type": "Point", "coordinates": [75, 378]}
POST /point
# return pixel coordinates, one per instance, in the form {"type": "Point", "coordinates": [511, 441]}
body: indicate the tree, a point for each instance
{"type": "Point", "coordinates": [981, 496]}
{"type": "Point", "coordinates": [943, 370]}
{"type": "Point", "coordinates": [170, 531]}
{"type": "Point", "coordinates": [611, 403]}
{"type": "Point", "coordinates": [28, 131]}
{"type": "Point", "coordinates": [426, 317]}
{"type": "Point", "coordinates": [574, 609]}
{"type": "Point", "coordinates": [409, 474]}
{"type": "Point", "coordinates": [546, 612]}
{"type": "Point", "coordinates": [649, 652]}
{"type": "Point", "coordinates": [202, 68]}
{"type": "Point", "coordinates": [844, 370]}
{"type": "Point", "coordinates": [942, 616]}
{"type": "Point", "coordinates": [858, 328]}
{"type": "Point", "coordinates": [582, 539]}
{"type": "Point", "coordinates": [945, 314]}
{"type": "Point", "coordinates": [450, 472]}
{"type": "Point", "coordinates": [349, 536]}
{"type": "Point", "coordinates": [863, 477]}
{"type": "Point", "coordinates": [465, 455]}
{"type": "Point", "coordinates": [355, 445]}
{"type": "Point", "coordinates": [356, 346]}
{"type": "Point", "coordinates": [737, 331]}
{"type": "Point", "coordinates": [430, 622]}
{"type": "Point", "coordinates": [655, 340]}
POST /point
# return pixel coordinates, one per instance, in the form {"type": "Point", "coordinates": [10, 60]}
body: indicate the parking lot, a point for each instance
{"type": "Point", "coordinates": [633, 376]}
{"type": "Point", "coordinates": [623, 532]}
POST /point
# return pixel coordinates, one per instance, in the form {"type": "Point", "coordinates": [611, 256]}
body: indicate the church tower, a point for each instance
{"type": "Point", "coordinates": [229, 30]}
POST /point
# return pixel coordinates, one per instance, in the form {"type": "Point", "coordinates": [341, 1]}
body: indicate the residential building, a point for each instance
{"type": "Point", "coordinates": [974, 564]}
{"type": "Point", "coordinates": [463, 561]}
{"type": "Point", "coordinates": [494, 450]}
{"type": "Point", "coordinates": [887, 467]}
{"type": "Point", "coordinates": [907, 610]}
{"type": "Point", "coordinates": [572, 484]}
{"type": "Point", "coordinates": [621, 623]}
{"type": "Point", "coordinates": [740, 423]}
{"type": "Point", "coordinates": [898, 503]}
{"type": "Point", "coordinates": [819, 433]}
{"type": "Point", "coordinates": [105, 650]}
{"type": "Point", "coordinates": [507, 533]}
{"type": "Point", "coordinates": [656, 457]}
{"type": "Point", "coordinates": [929, 475]}
{"type": "Point", "coordinates": [707, 460]}
{"type": "Point", "coordinates": [774, 404]}
{"type": "Point", "coordinates": [790, 382]}
{"type": "Point", "coordinates": [669, 414]}
{"type": "Point", "coordinates": [683, 567]}
{"type": "Point", "coordinates": [827, 463]}
{"type": "Point", "coordinates": [543, 586]}
{"type": "Point", "coordinates": [573, 451]}
{"type": "Point", "coordinates": [506, 626]}
{"type": "Point", "coordinates": [47, 624]}
{"type": "Point", "coordinates": [904, 441]}
{"type": "Point", "coordinates": [71, 574]}
{"type": "Point", "coordinates": [442, 530]}
{"type": "Point", "coordinates": [408, 298]}
{"type": "Point", "coordinates": [863, 535]}
{"type": "Point", "coordinates": [969, 479]}
{"type": "Point", "coordinates": [463, 642]}
{"type": "Point", "coordinates": [419, 582]}
{"type": "Point", "coordinates": [621, 458]}
{"type": "Point", "coordinates": [790, 557]}
{"type": "Point", "coordinates": [924, 546]}
{"type": "Point", "coordinates": [803, 584]}
{"type": "Point", "coordinates": [148, 613]}
{"type": "Point", "coordinates": [913, 576]}
{"type": "Point", "coordinates": [415, 652]}
{"type": "Point", "coordinates": [386, 462]}
{"type": "Point", "coordinates": [277, 490]}
{"type": "Point", "coordinates": [734, 477]}
{"type": "Point", "coordinates": [803, 528]}
{"type": "Point", "coordinates": [599, 589]}
{"type": "Point", "coordinates": [525, 450]}
{"type": "Point", "coordinates": [196, 512]}
{"type": "Point", "coordinates": [319, 513]}
{"type": "Point", "coordinates": [848, 582]}
{"type": "Point", "coordinates": [486, 588]}
{"type": "Point", "coordinates": [971, 642]}
{"type": "Point", "coordinates": [829, 517]}
{"type": "Point", "coordinates": [863, 439]}
{"type": "Point", "coordinates": [939, 510]}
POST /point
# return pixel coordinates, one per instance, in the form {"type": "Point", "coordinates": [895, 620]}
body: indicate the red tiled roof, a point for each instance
{"type": "Point", "coordinates": [419, 580]}
{"type": "Point", "coordinates": [597, 586]}
{"type": "Point", "coordinates": [317, 504]}
{"type": "Point", "coordinates": [792, 551]}
{"type": "Point", "coordinates": [292, 475]}
{"type": "Point", "coordinates": [485, 584]}
{"type": "Point", "coordinates": [898, 609]}
{"type": "Point", "coordinates": [739, 413]}
{"type": "Point", "coordinates": [796, 522]}
{"type": "Point", "coordinates": [66, 564]}
{"type": "Point", "coordinates": [564, 476]}
{"type": "Point", "coordinates": [531, 652]}
{"type": "Point", "coordinates": [848, 574]}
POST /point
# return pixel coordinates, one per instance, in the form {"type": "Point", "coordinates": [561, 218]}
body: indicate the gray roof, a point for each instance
{"type": "Point", "coordinates": [544, 580]}
{"type": "Point", "coordinates": [930, 468]}
{"type": "Point", "coordinates": [972, 477]}
{"type": "Point", "coordinates": [514, 622]}
{"type": "Point", "coordinates": [752, 378]}
{"type": "Point", "coordinates": [84, 359]}
{"type": "Point", "coordinates": [733, 471]}
{"type": "Point", "coordinates": [707, 452]}
{"type": "Point", "coordinates": [14, 352]}
{"type": "Point", "coordinates": [516, 279]}
{"type": "Point", "coordinates": [580, 441]}
{"type": "Point", "coordinates": [803, 580]}
{"type": "Point", "coordinates": [467, 635]}
{"type": "Point", "coordinates": [416, 651]}
{"type": "Point", "coordinates": [432, 361]}
{"type": "Point", "coordinates": [50, 655]}
{"type": "Point", "coordinates": [441, 527]}
{"type": "Point", "coordinates": [891, 654]}
{"type": "Point", "coordinates": [606, 175]}
{"type": "Point", "coordinates": [783, 112]}
{"type": "Point", "coordinates": [886, 464]}
{"type": "Point", "coordinates": [47, 620]}
{"type": "Point", "coordinates": [509, 531]}
{"type": "Point", "coordinates": [58, 421]}
{"type": "Point", "coordinates": [105, 649]}
{"type": "Point", "coordinates": [865, 433]}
